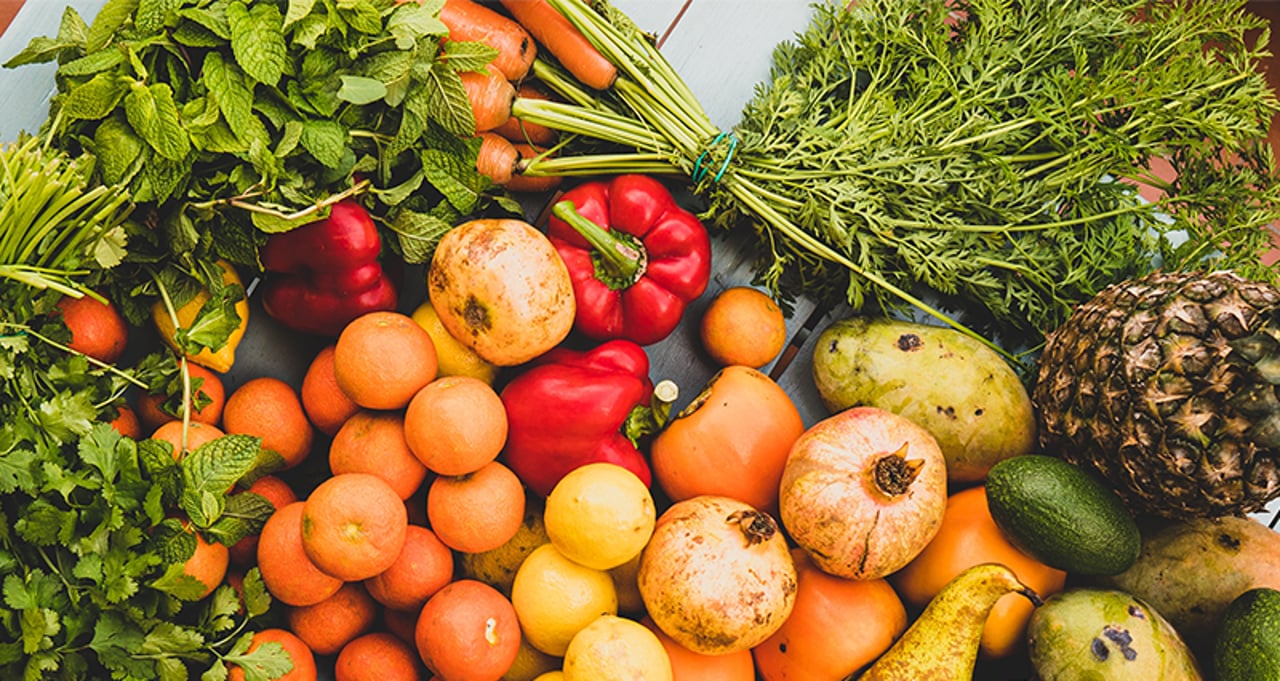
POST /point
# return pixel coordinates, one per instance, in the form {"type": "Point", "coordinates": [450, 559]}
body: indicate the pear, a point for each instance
{"type": "Point", "coordinates": [942, 644]}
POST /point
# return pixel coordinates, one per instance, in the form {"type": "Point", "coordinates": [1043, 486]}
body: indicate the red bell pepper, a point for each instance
{"type": "Point", "coordinates": [635, 257]}
{"type": "Point", "coordinates": [572, 408]}
{"type": "Point", "coordinates": [326, 273]}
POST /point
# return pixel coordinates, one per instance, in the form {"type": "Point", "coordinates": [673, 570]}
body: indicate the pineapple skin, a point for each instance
{"type": "Point", "coordinates": [1155, 385]}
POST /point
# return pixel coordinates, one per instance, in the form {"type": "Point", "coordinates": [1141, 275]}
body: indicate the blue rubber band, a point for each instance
{"type": "Point", "coordinates": [700, 172]}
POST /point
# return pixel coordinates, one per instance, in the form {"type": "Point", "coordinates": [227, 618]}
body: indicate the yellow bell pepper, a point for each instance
{"type": "Point", "coordinates": [222, 359]}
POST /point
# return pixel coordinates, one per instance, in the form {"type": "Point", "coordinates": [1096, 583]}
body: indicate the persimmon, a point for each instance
{"type": "Point", "coordinates": [837, 626]}
{"type": "Point", "coordinates": [968, 536]}
{"type": "Point", "coordinates": [731, 441]}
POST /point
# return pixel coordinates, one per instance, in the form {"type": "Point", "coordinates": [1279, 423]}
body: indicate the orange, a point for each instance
{"type": "Point", "coordinates": [373, 442]}
{"type": "Point", "coordinates": [401, 623]}
{"type": "Point", "coordinates": [325, 403]}
{"type": "Point", "coordinates": [424, 566]}
{"type": "Point", "coordinates": [196, 434]}
{"type": "Point", "coordinates": [279, 494]}
{"type": "Point", "coordinates": [687, 665]}
{"type": "Point", "coordinates": [287, 572]}
{"type": "Point", "coordinates": [269, 408]}
{"type": "Point", "coordinates": [304, 661]}
{"type": "Point", "coordinates": [382, 358]}
{"type": "Point", "coordinates": [208, 563]}
{"type": "Point", "coordinates": [208, 396]}
{"type": "Point", "coordinates": [468, 631]}
{"type": "Point", "coordinates": [97, 329]}
{"type": "Point", "coordinates": [126, 422]}
{"type": "Point", "coordinates": [479, 511]}
{"type": "Point", "coordinates": [456, 424]}
{"type": "Point", "coordinates": [354, 526]}
{"type": "Point", "coordinates": [330, 624]}
{"type": "Point", "coordinates": [743, 325]}
{"type": "Point", "coordinates": [149, 411]}
{"type": "Point", "coordinates": [379, 656]}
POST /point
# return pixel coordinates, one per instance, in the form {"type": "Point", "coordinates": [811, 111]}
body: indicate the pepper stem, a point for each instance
{"type": "Point", "coordinates": [622, 259]}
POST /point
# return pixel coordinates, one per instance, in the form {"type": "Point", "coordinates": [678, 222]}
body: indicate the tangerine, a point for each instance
{"type": "Point", "coordinates": [381, 359]}
{"type": "Point", "coordinates": [374, 442]}
{"type": "Point", "coordinates": [97, 329]}
{"type": "Point", "coordinates": [354, 526]}
{"type": "Point", "coordinates": [743, 325]}
{"type": "Point", "coordinates": [456, 424]}
{"type": "Point", "coordinates": [479, 511]}
{"type": "Point", "coordinates": [326, 404]}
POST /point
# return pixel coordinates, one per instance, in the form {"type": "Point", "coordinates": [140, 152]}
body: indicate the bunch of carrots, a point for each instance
{"type": "Point", "coordinates": [517, 35]}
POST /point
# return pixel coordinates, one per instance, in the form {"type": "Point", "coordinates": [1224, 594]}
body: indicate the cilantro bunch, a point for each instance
{"type": "Point", "coordinates": [227, 119]}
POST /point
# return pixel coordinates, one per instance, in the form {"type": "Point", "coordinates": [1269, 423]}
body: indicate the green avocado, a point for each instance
{"type": "Point", "coordinates": [1062, 516]}
{"type": "Point", "coordinates": [1247, 645]}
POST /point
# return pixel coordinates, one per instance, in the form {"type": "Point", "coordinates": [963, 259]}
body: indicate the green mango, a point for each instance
{"type": "Point", "coordinates": [1090, 634]}
{"type": "Point", "coordinates": [953, 385]}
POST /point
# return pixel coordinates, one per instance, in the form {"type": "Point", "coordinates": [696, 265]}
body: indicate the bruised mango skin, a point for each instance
{"type": "Point", "coordinates": [954, 386]}
{"type": "Point", "coordinates": [1108, 635]}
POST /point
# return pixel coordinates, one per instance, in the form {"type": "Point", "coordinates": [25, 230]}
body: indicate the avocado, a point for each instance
{"type": "Point", "coordinates": [1247, 645]}
{"type": "Point", "coordinates": [1062, 516]}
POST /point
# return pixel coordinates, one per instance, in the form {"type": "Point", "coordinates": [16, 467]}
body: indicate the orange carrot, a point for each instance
{"type": "Point", "coordinates": [562, 39]}
{"type": "Point", "coordinates": [472, 22]}
{"type": "Point", "coordinates": [497, 158]}
{"type": "Point", "coordinates": [530, 183]}
{"type": "Point", "coordinates": [491, 95]}
{"type": "Point", "coordinates": [517, 130]}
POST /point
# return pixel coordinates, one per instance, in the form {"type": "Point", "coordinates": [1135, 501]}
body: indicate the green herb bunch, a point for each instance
{"type": "Point", "coordinates": [95, 529]}
{"type": "Point", "coordinates": [982, 154]}
{"type": "Point", "coordinates": [228, 119]}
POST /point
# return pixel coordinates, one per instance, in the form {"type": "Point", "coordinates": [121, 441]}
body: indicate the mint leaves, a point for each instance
{"type": "Point", "coordinates": [231, 116]}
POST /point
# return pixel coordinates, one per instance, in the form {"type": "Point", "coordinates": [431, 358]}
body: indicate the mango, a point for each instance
{"type": "Point", "coordinates": [1108, 635]}
{"type": "Point", "coordinates": [953, 385]}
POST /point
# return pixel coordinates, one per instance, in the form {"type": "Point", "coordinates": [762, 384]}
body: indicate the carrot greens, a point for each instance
{"type": "Point", "coordinates": [980, 154]}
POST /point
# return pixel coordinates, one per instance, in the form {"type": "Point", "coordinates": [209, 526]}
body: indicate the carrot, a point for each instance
{"type": "Point", "coordinates": [497, 158]}
{"type": "Point", "coordinates": [469, 21]}
{"type": "Point", "coordinates": [491, 95]}
{"type": "Point", "coordinates": [517, 130]}
{"type": "Point", "coordinates": [530, 183]}
{"type": "Point", "coordinates": [572, 49]}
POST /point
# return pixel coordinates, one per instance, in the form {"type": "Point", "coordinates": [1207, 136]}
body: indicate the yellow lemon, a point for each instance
{"type": "Point", "coordinates": [531, 664]}
{"type": "Point", "coordinates": [555, 675]}
{"type": "Point", "coordinates": [224, 357]}
{"type": "Point", "coordinates": [555, 597]}
{"type": "Point", "coordinates": [452, 357]}
{"type": "Point", "coordinates": [616, 649]}
{"type": "Point", "coordinates": [600, 515]}
{"type": "Point", "coordinates": [497, 567]}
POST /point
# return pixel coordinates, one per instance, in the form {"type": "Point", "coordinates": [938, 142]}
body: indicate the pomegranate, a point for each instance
{"type": "Point", "coordinates": [717, 576]}
{"type": "Point", "coordinates": [863, 491]}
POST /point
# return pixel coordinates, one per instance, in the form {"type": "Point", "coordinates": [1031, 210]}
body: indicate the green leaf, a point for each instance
{"type": "Point", "coordinates": [298, 9]}
{"type": "Point", "coordinates": [72, 34]}
{"type": "Point", "coordinates": [326, 140]}
{"type": "Point", "coordinates": [361, 90]}
{"type": "Point", "coordinates": [92, 64]}
{"type": "Point", "coordinates": [257, 600]}
{"type": "Point", "coordinates": [16, 467]}
{"type": "Point", "coordinates": [266, 662]}
{"type": "Point", "coordinates": [463, 55]}
{"type": "Point", "coordinates": [446, 100]}
{"type": "Point", "coordinates": [119, 150]}
{"type": "Point", "coordinates": [97, 98]}
{"type": "Point", "coordinates": [154, 116]}
{"type": "Point", "coordinates": [213, 18]}
{"type": "Point", "coordinates": [361, 15]}
{"type": "Point", "coordinates": [257, 40]}
{"type": "Point", "coordinates": [153, 15]}
{"type": "Point", "coordinates": [211, 470]}
{"type": "Point", "coordinates": [109, 19]}
{"type": "Point", "coordinates": [98, 449]}
{"type": "Point", "coordinates": [216, 319]}
{"type": "Point", "coordinates": [419, 234]}
{"type": "Point", "coordinates": [67, 414]}
{"type": "Point", "coordinates": [226, 82]}
{"type": "Point", "coordinates": [411, 21]}
{"type": "Point", "coordinates": [454, 177]}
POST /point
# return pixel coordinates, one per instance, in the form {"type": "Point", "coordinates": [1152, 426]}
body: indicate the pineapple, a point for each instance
{"type": "Point", "coordinates": [1168, 387]}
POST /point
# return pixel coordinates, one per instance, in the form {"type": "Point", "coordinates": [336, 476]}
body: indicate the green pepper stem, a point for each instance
{"type": "Point", "coordinates": [620, 258]}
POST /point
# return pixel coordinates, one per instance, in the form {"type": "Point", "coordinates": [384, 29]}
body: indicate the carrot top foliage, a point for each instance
{"type": "Point", "coordinates": [979, 153]}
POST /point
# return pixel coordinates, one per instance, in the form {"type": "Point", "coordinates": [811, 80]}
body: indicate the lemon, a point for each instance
{"type": "Point", "coordinates": [616, 649]}
{"type": "Point", "coordinates": [531, 664]}
{"type": "Point", "coordinates": [600, 515]}
{"type": "Point", "coordinates": [452, 357]}
{"type": "Point", "coordinates": [555, 675]}
{"type": "Point", "coordinates": [555, 597]}
{"type": "Point", "coordinates": [224, 357]}
{"type": "Point", "coordinates": [497, 567]}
